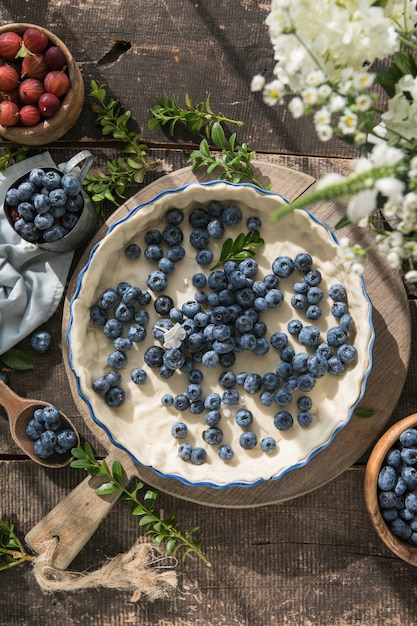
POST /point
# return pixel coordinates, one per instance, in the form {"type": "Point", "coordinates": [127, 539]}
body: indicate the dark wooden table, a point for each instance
{"type": "Point", "coordinates": [312, 560]}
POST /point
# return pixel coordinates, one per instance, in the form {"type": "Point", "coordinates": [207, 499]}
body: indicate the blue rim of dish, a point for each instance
{"type": "Point", "coordinates": [209, 484]}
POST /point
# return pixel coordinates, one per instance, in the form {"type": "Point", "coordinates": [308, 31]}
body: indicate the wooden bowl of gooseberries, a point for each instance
{"type": "Point", "coordinates": [41, 86]}
{"type": "Point", "coordinates": [395, 518]}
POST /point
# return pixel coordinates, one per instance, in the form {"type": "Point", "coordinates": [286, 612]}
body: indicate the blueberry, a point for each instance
{"type": "Point", "coordinates": [138, 376]}
{"type": "Point", "coordinates": [179, 430]}
{"type": "Point", "coordinates": [196, 407]}
{"type": "Point", "coordinates": [231, 216]}
{"type": "Point", "coordinates": [347, 353]}
{"type": "Point", "coordinates": [248, 267]}
{"type": "Point", "coordinates": [174, 216]}
{"type": "Point", "coordinates": [123, 344]}
{"type": "Point", "coordinates": [199, 239]}
{"type": "Point", "coordinates": [191, 308]}
{"type": "Point", "coordinates": [244, 418]}
{"type": "Point", "coordinates": [287, 354]}
{"type": "Point", "coordinates": [157, 281]}
{"type": "Point", "coordinates": [36, 176]}
{"type": "Point", "coordinates": [393, 458]}
{"type": "Point", "coordinates": [274, 298]}
{"type": "Point", "coordinates": [409, 474]}
{"type": "Point", "coordinates": [408, 437]}
{"type": "Point", "coordinates": [67, 439]}
{"type": "Point", "coordinates": [215, 229]}
{"type": "Point", "coordinates": [210, 359]}
{"type": "Point", "coordinates": [230, 397]}
{"type": "Point", "coordinates": [304, 403]}
{"type": "Point", "coordinates": [204, 257]}
{"type": "Point", "coordinates": [184, 451]}
{"type": "Point", "coordinates": [70, 184]}
{"type": "Point", "coordinates": [212, 401]}
{"type": "Point", "coordinates": [69, 220]}
{"type": "Point", "coordinates": [51, 179]}
{"type": "Point", "coordinates": [152, 236]}
{"type": "Point", "coordinates": [283, 420]}
{"type": "Point", "coordinates": [248, 440]}
{"type": "Point", "coordinates": [167, 399]}
{"type": "Point", "coordinates": [117, 359]}
{"type": "Point", "coordinates": [253, 223]}
{"type": "Point", "coordinates": [313, 312]}
{"type": "Point", "coordinates": [400, 529]}
{"type": "Point", "coordinates": [48, 439]}
{"type": "Point", "coordinates": [387, 499]}
{"type": "Point", "coordinates": [75, 203]}
{"type": "Point", "coordinates": [198, 456]}
{"type": "Point", "coordinates": [27, 211]}
{"type": "Point", "coordinates": [113, 377]}
{"type": "Point", "coordinates": [335, 366]}
{"type": "Point", "coordinates": [199, 280]}
{"type": "Point", "coordinates": [409, 456]}
{"type": "Point", "coordinates": [226, 453]}
{"type": "Point", "coordinates": [41, 203]}
{"type": "Point", "coordinates": [270, 381]}
{"type": "Point", "coordinates": [282, 397]}
{"type": "Point", "coordinates": [173, 358]}
{"type": "Point", "coordinates": [176, 253]}
{"type": "Point", "coordinates": [271, 281]}
{"type": "Point", "coordinates": [41, 341]}
{"type": "Point", "coordinates": [313, 278]}
{"type": "Point", "coordinates": [217, 280]}
{"type": "Point", "coordinates": [181, 402]}
{"type": "Point", "coordinates": [41, 450]}
{"type": "Point", "coordinates": [299, 301]}
{"type": "Point", "coordinates": [294, 327]}
{"type": "Point", "coordinates": [279, 340]}
{"type": "Point", "coordinates": [132, 251]}
{"type": "Point", "coordinates": [199, 218]}
{"type": "Point", "coordinates": [27, 230]}
{"type": "Point", "coordinates": [303, 262]}
{"type": "Point", "coordinates": [58, 198]}
{"type": "Point", "coordinates": [283, 266]}
{"type": "Point", "coordinates": [309, 336]}
{"type": "Point", "coordinates": [25, 191]}
{"type": "Point", "coordinates": [100, 385]}
{"type": "Point", "coordinates": [115, 397]}
{"type": "Point", "coordinates": [338, 309]}
{"type": "Point", "coordinates": [346, 322]}
{"type": "Point", "coordinates": [11, 197]}
{"type": "Point", "coordinates": [306, 382]}
{"type": "Point", "coordinates": [172, 235]}
{"type": "Point", "coordinates": [253, 383]}
{"type": "Point", "coordinates": [124, 312]}
{"type": "Point", "coordinates": [113, 328]}
{"type": "Point", "coordinates": [227, 379]}
{"type": "Point", "coordinates": [268, 445]}
{"type": "Point", "coordinates": [266, 398]}
{"type": "Point", "coordinates": [54, 233]}
{"type": "Point", "coordinates": [317, 365]}
{"type": "Point", "coordinates": [212, 418]}
{"type": "Point", "coordinates": [304, 418]}
{"type": "Point", "coordinates": [213, 436]}
{"type": "Point", "coordinates": [163, 304]}
{"type": "Point", "coordinates": [136, 333]}
{"type": "Point", "coordinates": [34, 429]}
{"type": "Point", "coordinates": [299, 362]}
{"type": "Point", "coordinates": [411, 502]}
{"type": "Point", "coordinates": [337, 293]}
{"type": "Point", "coordinates": [153, 252]}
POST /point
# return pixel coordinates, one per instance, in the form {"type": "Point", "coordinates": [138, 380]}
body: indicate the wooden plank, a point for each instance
{"type": "Point", "coordinates": [314, 560]}
{"type": "Point", "coordinates": [391, 354]}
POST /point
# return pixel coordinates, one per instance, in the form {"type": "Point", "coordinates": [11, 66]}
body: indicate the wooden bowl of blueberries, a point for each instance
{"type": "Point", "coordinates": [391, 488]}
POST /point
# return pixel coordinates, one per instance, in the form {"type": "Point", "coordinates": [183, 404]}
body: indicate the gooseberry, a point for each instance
{"type": "Point", "coordinates": [34, 66]}
{"type": "Point", "coordinates": [35, 39]}
{"type": "Point", "coordinates": [9, 78]}
{"type": "Point", "coordinates": [10, 43]}
{"type": "Point", "coordinates": [48, 104]}
{"type": "Point", "coordinates": [29, 115]}
{"type": "Point", "coordinates": [56, 82]}
{"type": "Point", "coordinates": [30, 91]}
{"type": "Point", "coordinates": [9, 113]}
{"type": "Point", "coordinates": [55, 58]}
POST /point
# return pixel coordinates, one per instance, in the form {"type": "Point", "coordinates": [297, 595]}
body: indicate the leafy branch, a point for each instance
{"type": "Point", "coordinates": [121, 171]}
{"type": "Point", "coordinates": [235, 160]}
{"type": "Point", "coordinates": [241, 248]}
{"type": "Point", "coordinates": [12, 551]}
{"type": "Point", "coordinates": [196, 118]}
{"type": "Point", "coordinates": [162, 530]}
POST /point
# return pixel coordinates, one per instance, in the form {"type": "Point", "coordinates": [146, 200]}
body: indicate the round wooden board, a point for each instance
{"type": "Point", "coordinates": [391, 356]}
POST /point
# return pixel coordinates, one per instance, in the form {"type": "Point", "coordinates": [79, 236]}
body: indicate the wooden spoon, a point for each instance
{"type": "Point", "coordinates": [20, 411]}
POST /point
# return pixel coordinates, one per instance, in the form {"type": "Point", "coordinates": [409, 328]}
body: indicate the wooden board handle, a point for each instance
{"type": "Point", "coordinates": [77, 516]}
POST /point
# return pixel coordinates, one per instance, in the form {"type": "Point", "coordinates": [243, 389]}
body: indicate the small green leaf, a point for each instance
{"type": "Point", "coordinates": [106, 488]}
{"type": "Point", "coordinates": [217, 135]}
{"type": "Point", "coordinates": [365, 413]}
{"type": "Point", "coordinates": [344, 221]}
{"type": "Point", "coordinates": [16, 360]}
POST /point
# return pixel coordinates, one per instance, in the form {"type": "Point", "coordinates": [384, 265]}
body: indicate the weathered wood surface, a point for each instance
{"type": "Point", "coordinates": [313, 560]}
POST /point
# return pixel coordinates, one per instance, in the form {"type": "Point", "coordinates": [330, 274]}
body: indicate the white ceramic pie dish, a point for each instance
{"type": "Point", "coordinates": [142, 426]}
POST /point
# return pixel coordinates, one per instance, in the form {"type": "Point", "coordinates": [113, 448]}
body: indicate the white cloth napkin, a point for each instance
{"type": "Point", "coordinates": [32, 280]}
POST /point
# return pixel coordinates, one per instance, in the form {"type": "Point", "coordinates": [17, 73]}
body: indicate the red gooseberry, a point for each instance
{"type": "Point", "coordinates": [30, 91]}
{"type": "Point", "coordinates": [48, 104]}
{"type": "Point", "coordinates": [8, 78]}
{"type": "Point", "coordinates": [10, 43]}
{"type": "Point", "coordinates": [56, 82]}
{"type": "Point", "coordinates": [35, 39]}
{"type": "Point", "coordinates": [29, 115]}
{"type": "Point", "coordinates": [9, 113]}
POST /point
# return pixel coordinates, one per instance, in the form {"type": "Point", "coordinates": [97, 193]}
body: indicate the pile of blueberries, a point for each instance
{"type": "Point", "coordinates": [397, 487]}
{"type": "Point", "coordinates": [45, 206]}
{"type": "Point", "coordinates": [45, 428]}
{"type": "Point", "coordinates": [223, 319]}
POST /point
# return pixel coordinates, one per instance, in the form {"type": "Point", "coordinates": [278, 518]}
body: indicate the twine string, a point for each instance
{"type": "Point", "coordinates": [144, 570]}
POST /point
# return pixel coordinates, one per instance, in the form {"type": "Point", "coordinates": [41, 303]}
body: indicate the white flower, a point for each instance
{"type": "Point", "coordinates": [363, 102]}
{"type": "Point", "coordinates": [411, 276]}
{"type": "Point", "coordinates": [348, 122]}
{"type": "Point", "coordinates": [324, 132]}
{"type": "Point", "coordinates": [273, 92]}
{"type": "Point", "coordinates": [310, 95]}
{"type": "Point", "coordinates": [174, 336]}
{"type": "Point", "coordinates": [383, 154]}
{"type": "Point", "coordinates": [330, 179]}
{"type": "Point", "coordinates": [296, 107]}
{"type": "Point", "coordinates": [258, 83]}
{"type": "Point", "coordinates": [392, 188]}
{"type": "Point", "coordinates": [361, 205]}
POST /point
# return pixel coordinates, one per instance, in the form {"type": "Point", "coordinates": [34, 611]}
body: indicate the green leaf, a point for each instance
{"type": "Point", "coordinates": [106, 488]}
{"type": "Point", "coordinates": [16, 360]}
{"type": "Point", "coordinates": [117, 472]}
{"type": "Point", "coordinates": [365, 413]}
{"type": "Point", "coordinates": [146, 519]}
{"type": "Point", "coordinates": [344, 221]}
{"type": "Point", "coordinates": [217, 135]}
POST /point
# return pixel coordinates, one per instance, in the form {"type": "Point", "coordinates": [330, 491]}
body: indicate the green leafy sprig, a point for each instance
{"type": "Point", "coordinates": [121, 171]}
{"type": "Point", "coordinates": [162, 530]}
{"type": "Point", "coordinates": [196, 118]}
{"type": "Point", "coordinates": [241, 248]}
{"type": "Point", "coordinates": [12, 551]}
{"type": "Point", "coordinates": [235, 160]}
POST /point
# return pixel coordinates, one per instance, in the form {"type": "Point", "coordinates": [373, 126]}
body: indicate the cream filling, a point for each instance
{"type": "Point", "coordinates": [142, 425]}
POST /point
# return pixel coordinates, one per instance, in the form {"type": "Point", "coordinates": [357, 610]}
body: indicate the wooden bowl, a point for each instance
{"type": "Point", "coordinates": [51, 129]}
{"type": "Point", "coordinates": [400, 548]}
